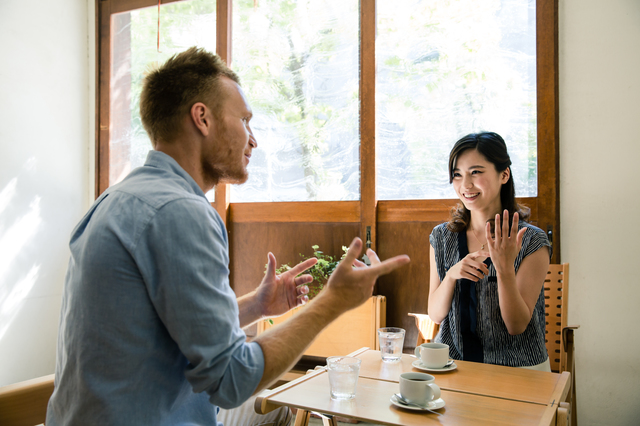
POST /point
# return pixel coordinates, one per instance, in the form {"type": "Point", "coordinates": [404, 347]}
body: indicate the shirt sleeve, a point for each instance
{"type": "Point", "coordinates": [436, 239]}
{"type": "Point", "coordinates": [183, 257]}
{"type": "Point", "coordinates": [534, 239]}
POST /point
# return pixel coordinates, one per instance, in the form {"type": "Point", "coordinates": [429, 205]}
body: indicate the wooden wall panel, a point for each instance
{"type": "Point", "coordinates": [406, 289]}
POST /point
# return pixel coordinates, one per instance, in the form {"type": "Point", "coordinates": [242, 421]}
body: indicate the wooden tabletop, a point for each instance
{"type": "Point", "coordinates": [474, 394]}
{"type": "Point", "coordinates": [471, 377]}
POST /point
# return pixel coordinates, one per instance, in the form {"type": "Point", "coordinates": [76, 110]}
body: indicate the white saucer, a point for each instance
{"type": "Point", "coordinates": [420, 366]}
{"type": "Point", "coordinates": [433, 405]}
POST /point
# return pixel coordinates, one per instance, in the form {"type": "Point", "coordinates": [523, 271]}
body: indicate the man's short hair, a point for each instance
{"type": "Point", "coordinates": [170, 91]}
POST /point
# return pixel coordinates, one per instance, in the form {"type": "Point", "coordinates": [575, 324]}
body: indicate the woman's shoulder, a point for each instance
{"type": "Point", "coordinates": [531, 229]}
{"type": "Point", "coordinates": [441, 230]}
{"type": "Point", "coordinates": [534, 238]}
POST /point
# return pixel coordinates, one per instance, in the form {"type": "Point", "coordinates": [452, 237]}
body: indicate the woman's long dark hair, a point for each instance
{"type": "Point", "coordinates": [492, 147]}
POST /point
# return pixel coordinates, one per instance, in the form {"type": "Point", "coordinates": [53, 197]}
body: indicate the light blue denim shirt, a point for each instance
{"type": "Point", "coordinates": [149, 328]}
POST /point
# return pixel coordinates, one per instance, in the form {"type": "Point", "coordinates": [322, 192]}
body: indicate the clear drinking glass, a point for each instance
{"type": "Point", "coordinates": [391, 342]}
{"type": "Point", "coordinates": [343, 376]}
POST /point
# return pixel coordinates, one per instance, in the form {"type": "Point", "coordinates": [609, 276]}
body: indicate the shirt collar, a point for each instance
{"type": "Point", "coordinates": [166, 162]}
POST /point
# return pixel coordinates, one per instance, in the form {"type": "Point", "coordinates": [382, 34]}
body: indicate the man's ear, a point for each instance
{"type": "Point", "coordinates": [202, 118]}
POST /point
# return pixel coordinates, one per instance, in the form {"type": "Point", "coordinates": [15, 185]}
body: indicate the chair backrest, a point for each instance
{"type": "Point", "coordinates": [556, 291]}
{"type": "Point", "coordinates": [427, 329]}
{"type": "Point", "coordinates": [25, 403]}
{"type": "Point", "coordinates": [362, 324]}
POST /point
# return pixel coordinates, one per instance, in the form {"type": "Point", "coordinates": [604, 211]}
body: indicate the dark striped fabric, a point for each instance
{"type": "Point", "coordinates": [498, 346]}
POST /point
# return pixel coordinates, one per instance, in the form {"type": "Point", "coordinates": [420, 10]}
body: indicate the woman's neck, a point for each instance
{"type": "Point", "coordinates": [480, 218]}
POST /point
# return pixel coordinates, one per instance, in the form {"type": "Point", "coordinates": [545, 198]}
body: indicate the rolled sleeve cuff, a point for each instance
{"type": "Point", "coordinates": [244, 372]}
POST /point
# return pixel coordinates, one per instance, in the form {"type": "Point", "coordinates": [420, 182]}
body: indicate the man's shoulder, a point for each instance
{"type": "Point", "coordinates": [157, 188]}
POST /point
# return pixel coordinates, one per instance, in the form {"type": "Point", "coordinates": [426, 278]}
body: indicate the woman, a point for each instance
{"type": "Point", "coordinates": [488, 265]}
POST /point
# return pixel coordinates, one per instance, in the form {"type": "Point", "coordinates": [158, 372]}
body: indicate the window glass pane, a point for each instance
{"type": "Point", "coordinates": [135, 49]}
{"type": "Point", "coordinates": [446, 69]}
{"type": "Point", "coordinates": [299, 66]}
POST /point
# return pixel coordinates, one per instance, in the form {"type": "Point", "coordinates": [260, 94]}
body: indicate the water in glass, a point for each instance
{"type": "Point", "coordinates": [391, 342]}
{"type": "Point", "coordinates": [343, 376]}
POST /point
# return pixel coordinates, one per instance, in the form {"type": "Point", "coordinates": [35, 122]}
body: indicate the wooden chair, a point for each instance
{"type": "Point", "coordinates": [362, 322]}
{"type": "Point", "coordinates": [559, 335]}
{"type": "Point", "coordinates": [427, 329]}
{"type": "Point", "coordinates": [25, 403]}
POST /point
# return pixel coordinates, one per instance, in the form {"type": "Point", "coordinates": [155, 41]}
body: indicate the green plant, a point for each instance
{"type": "Point", "coordinates": [320, 272]}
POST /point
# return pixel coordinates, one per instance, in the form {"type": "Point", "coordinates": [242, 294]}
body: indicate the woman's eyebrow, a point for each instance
{"type": "Point", "coordinates": [470, 168]}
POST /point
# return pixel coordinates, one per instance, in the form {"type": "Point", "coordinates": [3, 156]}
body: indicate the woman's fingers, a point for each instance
{"type": "Point", "coordinates": [472, 274]}
{"type": "Point", "coordinates": [516, 220]}
{"type": "Point", "coordinates": [487, 234]}
{"type": "Point", "coordinates": [505, 227]}
{"type": "Point", "coordinates": [520, 237]}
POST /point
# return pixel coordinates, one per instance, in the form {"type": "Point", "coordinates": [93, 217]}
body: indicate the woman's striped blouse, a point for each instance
{"type": "Point", "coordinates": [497, 345]}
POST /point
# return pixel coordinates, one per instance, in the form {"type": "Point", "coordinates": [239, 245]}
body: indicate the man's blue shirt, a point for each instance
{"type": "Point", "coordinates": [149, 329]}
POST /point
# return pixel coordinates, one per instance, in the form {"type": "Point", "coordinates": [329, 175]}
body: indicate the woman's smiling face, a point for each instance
{"type": "Point", "coordinates": [477, 182]}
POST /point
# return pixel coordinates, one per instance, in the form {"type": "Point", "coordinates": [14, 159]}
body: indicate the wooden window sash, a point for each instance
{"type": "Point", "coordinates": [369, 210]}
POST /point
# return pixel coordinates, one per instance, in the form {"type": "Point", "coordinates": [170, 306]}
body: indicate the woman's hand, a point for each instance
{"type": "Point", "coordinates": [470, 267]}
{"type": "Point", "coordinates": [504, 248]}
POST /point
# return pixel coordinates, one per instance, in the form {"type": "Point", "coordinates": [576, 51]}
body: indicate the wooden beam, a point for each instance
{"type": "Point", "coordinates": [223, 49]}
{"type": "Point", "coordinates": [548, 121]}
{"type": "Point", "coordinates": [103, 72]}
{"type": "Point", "coordinates": [308, 211]}
{"type": "Point", "coordinates": [368, 121]}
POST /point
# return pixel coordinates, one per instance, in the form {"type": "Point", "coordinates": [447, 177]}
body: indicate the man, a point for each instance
{"type": "Point", "coordinates": [150, 331]}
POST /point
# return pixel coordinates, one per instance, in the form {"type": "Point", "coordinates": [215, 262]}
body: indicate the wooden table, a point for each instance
{"type": "Point", "coordinates": [474, 394]}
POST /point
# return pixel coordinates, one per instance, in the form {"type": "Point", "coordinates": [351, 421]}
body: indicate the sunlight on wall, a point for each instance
{"type": "Point", "coordinates": [11, 304]}
{"type": "Point", "coordinates": [12, 240]}
{"type": "Point", "coordinates": [7, 194]}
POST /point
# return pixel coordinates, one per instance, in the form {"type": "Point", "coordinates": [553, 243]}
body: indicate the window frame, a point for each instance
{"type": "Point", "coordinates": [368, 211]}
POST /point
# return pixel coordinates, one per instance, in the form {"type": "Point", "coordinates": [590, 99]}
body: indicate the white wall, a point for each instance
{"type": "Point", "coordinates": [46, 137]}
{"type": "Point", "coordinates": [44, 172]}
{"type": "Point", "coordinates": [600, 201]}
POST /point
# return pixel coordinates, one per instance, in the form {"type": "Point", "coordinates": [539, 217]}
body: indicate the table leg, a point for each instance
{"type": "Point", "coordinates": [302, 418]}
{"type": "Point", "coordinates": [564, 414]}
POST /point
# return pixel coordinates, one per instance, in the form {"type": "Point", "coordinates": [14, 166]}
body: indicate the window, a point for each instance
{"type": "Point", "coordinates": [141, 38]}
{"type": "Point", "coordinates": [298, 61]}
{"type": "Point", "coordinates": [446, 69]}
{"type": "Point", "coordinates": [357, 104]}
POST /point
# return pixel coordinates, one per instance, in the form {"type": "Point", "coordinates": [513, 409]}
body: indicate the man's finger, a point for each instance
{"type": "Point", "coordinates": [271, 265]}
{"type": "Point", "coordinates": [303, 266]}
{"type": "Point", "coordinates": [389, 265]}
{"type": "Point", "coordinates": [354, 251]}
{"type": "Point", "coordinates": [373, 257]}
{"type": "Point", "coordinates": [303, 279]}
{"type": "Point", "coordinates": [359, 263]}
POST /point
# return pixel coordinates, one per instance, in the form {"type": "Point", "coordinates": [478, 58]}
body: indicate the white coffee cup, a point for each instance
{"type": "Point", "coordinates": [419, 388]}
{"type": "Point", "coordinates": [433, 355]}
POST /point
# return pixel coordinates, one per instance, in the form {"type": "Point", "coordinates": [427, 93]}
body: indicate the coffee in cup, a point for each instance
{"type": "Point", "coordinates": [433, 355]}
{"type": "Point", "coordinates": [419, 388]}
